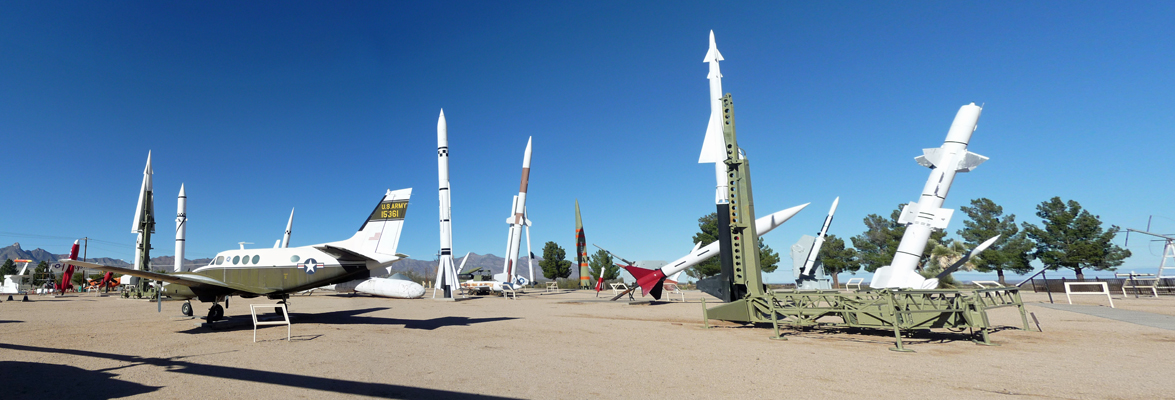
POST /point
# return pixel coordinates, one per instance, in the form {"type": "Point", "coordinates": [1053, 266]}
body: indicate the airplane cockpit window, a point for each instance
{"type": "Point", "coordinates": [256, 259]}
{"type": "Point", "coordinates": [295, 258]}
{"type": "Point", "coordinates": [219, 260]}
{"type": "Point", "coordinates": [236, 259]}
{"type": "Point", "coordinates": [245, 260]}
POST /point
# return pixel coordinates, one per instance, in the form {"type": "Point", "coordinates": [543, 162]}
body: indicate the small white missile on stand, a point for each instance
{"type": "Point", "coordinates": [516, 221]}
{"type": "Point", "coordinates": [812, 254]}
{"type": "Point", "coordinates": [446, 272]}
{"type": "Point", "coordinates": [650, 280]}
{"type": "Point", "coordinates": [181, 228]}
{"type": "Point", "coordinates": [927, 214]}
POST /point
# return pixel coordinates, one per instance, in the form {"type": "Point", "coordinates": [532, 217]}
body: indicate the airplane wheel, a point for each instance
{"type": "Point", "coordinates": [215, 313]}
{"type": "Point", "coordinates": [186, 309]}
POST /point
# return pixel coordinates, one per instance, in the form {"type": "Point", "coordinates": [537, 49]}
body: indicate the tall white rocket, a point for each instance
{"type": "Point", "coordinates": [181, 228]}
{"type": "Point", "coordinates": [927, 215]}
{"type": "Point", "coordinates": [517, 221]}
{"type": "Point", "coordinates": [713, 145]}
{"type": "Point", "coordinates": [446, 271]}
{"type": "Point", "coordinates": [144, 223]}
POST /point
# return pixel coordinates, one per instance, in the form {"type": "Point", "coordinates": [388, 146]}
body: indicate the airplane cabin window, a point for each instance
{"type": "Point", "coordinates": [256, 259]}
{"type": "Point", "coordinates": [245, 260]}
{"type": "Point", "coordinates": [294, 258]}
{"type": "Point", "coordinates": [236, 259]}
{"type": "Point", "coordinates": [219, 260]}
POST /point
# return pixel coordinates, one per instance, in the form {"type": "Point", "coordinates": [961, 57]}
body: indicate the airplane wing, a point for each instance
{"type": "Point", "coordinates": [189, 280]}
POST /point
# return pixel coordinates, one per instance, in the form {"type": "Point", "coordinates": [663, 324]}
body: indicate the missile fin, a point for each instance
{"type": "Point", "coordinates": [649, 280]}
{"type": "Point", "coordinates": [930, 157]}
{"type": "Point", "coordinates": [970, 161]}
{"type": "Point", "coordinates": [909, 214]}
{"type": "Point", "coordinates": [712, 145]}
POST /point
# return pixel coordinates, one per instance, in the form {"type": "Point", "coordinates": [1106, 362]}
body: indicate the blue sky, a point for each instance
{"type": "Point", "coordinates": [265, 106]}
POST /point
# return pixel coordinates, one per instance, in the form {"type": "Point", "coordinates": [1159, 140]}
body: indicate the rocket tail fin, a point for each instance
{"type": "Point", "coordinates": [650, 280]}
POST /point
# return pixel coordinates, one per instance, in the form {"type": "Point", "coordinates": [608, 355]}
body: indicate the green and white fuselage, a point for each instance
{"type": "Point", "coordinates": [277, 272]}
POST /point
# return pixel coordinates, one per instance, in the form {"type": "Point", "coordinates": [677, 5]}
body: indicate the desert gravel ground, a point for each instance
{"type": "Point", "coordinates": [568, 345]}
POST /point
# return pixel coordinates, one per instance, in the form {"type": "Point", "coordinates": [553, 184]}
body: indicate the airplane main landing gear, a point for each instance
{"type": "Point", "coordinates": [186, 309]}
{"type": "Point", "coordinates": [215, 313]}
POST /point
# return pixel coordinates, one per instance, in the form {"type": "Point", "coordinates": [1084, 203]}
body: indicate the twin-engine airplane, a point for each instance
{"type": "Point", "coordinates": [277, 272]}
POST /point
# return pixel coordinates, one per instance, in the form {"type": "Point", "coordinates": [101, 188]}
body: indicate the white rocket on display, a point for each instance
{"type": "Point", "coordinates": [517, 221]}
{"type": "Point", "coordinates": [713, 145]}
{"type": "Point", "coordinates": [927, 215]}
{"type": "Point", "coordinates": [181, 228]}
{"type": "Point", "coordinates": [446, 272]}
{"type": "Point", "coordinates": [144, 223]}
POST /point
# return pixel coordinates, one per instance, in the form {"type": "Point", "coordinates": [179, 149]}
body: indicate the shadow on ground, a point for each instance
{"type": "Point", "coordinates": [349, 317]}
{"type": "Point", "coordinates": [33, 381]}
{"type": "Point", "coordinates": [177, 365]}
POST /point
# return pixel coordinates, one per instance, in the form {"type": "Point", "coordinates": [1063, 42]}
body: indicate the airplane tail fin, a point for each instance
{"type": "Point", "coordinates": [380, 232]}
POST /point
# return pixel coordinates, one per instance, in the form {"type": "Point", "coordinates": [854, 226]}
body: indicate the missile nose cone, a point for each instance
{"type": "Point", "coordinates": [182, 191]}
{"type": "Point", "coordinates": [147, 170]}
{"type": "Point", "coordinates": [712, 54]}
{"type": "Point", "coordinates": [834, 204]}
{"type": "Point", "coordinates": [526, 157]}
{"type": "Point", "coordinates": [442, 130]}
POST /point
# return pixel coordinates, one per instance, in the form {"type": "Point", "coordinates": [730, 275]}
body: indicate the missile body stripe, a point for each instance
{"type": "Point", "coordinates": [525, 178]}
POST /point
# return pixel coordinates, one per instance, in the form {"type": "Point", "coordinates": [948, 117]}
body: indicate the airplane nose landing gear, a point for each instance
{"type": "Point", "coordinates": [186, 309]}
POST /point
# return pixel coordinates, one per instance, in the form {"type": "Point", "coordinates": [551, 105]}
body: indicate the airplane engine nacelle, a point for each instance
{"type": "Point", "coordinates": [394, 288]}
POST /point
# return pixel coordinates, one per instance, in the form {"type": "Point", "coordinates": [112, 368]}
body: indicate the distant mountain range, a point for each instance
{"type": "Point", "coordinates": [417, 267]}
{"type": "Point", "coordinates": [15, 252]}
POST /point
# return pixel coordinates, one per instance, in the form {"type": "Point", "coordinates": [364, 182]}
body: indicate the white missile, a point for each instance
{"type": "Point", "coordinates": [650, 280]}
{"type": "Point", "coordinates": [927, 214]}
{"type": "Point", "coordinates": [144, 210]}
{"type": "Point", "coordinates": [713, 145]}
{"type": "Point", "coordinates": [517, 221]}
{"type": "Point", "coordinates": [181, 228]}
{"type": "Point", "coordinates": [815, 251]}
{"type": "Point", "coordinates": [289, 229]}
{"type": "Point", "coordinates": [382, 287]}
{"type": "Point", "coordinates": [446, 272]}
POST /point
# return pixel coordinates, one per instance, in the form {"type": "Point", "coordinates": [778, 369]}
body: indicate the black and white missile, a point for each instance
{"type": "Point", "coordinates": [446, 272]}
{"type": "Point", "coordinates": [181, 228]}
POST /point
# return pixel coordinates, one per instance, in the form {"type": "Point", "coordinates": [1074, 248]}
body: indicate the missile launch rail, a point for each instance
{"type": "Point", "coordinates": [740, 282]}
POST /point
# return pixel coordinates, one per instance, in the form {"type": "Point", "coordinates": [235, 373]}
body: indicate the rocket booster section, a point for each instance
{"type": "Point", "coordinates": [926, 215]}
{"type": "Point", "coordinates": [650, 280]}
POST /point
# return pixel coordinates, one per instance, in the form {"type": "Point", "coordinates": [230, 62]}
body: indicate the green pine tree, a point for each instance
{"type": "Point", "coordinates": [554, 263]}
{"type": "Point", "coordinates": [9, 268]}
{"type": "Point", "coordinates": [836, 258]}
{"type": "Point", "coordinates": [602, 261]}
{"type": "Point", "coordinates": [1011, 252]}
{"type": "Point", "coordinates": [1073, 238]}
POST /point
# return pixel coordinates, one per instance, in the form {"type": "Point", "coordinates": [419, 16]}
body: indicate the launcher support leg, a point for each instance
{"type": "Point", "coordinates": [705, 316]}
{"type": "Point", "coordinates": [775, 321]}
{"type": "Point", "coordinates": [986, 341]}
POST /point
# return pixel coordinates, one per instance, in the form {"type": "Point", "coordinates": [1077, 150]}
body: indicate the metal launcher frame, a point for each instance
{"type": "Point", "coordinates": [901, 310]}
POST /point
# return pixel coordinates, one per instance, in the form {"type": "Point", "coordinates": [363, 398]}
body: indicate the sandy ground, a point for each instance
{"type": "Point", "coordinates": [567, 345]}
